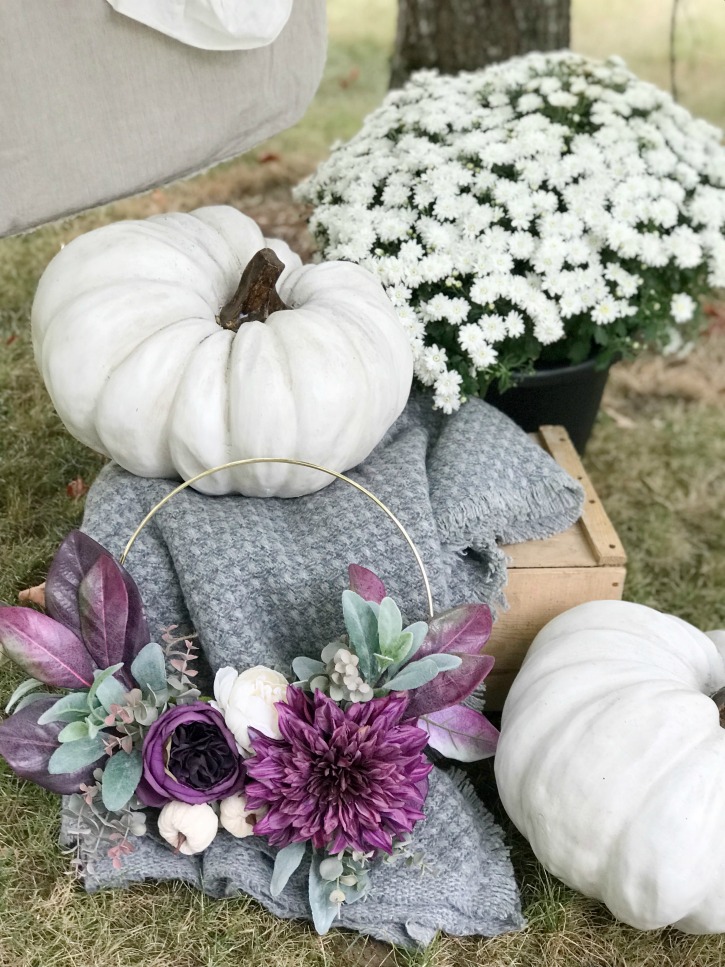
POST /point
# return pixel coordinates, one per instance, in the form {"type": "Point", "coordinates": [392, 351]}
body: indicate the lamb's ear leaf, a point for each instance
{"type": "Point", "coordinates": [21, 691]}
{"type": "Point", "coordinates": [69, 708]}
{"type": "Point", "coordinates": [73, 561]}
{"type": "Point", "coordinates": [149, 668]}
{"type": "Point", "coordinates": [463, 630]}
{"type": "Point", "coordinates": [120, 778]}
{"type": "Point", "coordinates": [27, 747]}
{"type": "Point", "coordinates": [285, 863]}
{"type": "Point", "coordinates": [390, 625]}
{"type": "Point", "coordinates": [44, 648]}
{"type": "Point", "coordinates": [323, 912]}
{"type": "Point", "coordinates": [414, 675]}
{"type": "Point", "coordinates": [366, 583]}
{"type": "Point", "coordinates": [460, 733]}
{"type": "Point", "coordinates": [362, 627]}
{"type": "Point", "coordinates": [72, 756]}
{"type": "Point", "coordinates": [449, 687]}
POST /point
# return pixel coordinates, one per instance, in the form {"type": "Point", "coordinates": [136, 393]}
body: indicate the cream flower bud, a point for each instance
{"type": "Point", "coordinates": [248, 700]}
{"type": "Point", "coordinates": [189, 829]}
{"type": "Point", "coordinates": [236, 818]}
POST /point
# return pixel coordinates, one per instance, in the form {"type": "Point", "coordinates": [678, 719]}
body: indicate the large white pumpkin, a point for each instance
{"type": "Point", "coordinates": [611, 762]}
{"type": "Point", "coordinates": [127, 337]}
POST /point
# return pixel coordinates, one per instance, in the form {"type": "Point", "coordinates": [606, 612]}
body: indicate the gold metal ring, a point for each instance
{"type": "Point", "coordinates": [295, 463]}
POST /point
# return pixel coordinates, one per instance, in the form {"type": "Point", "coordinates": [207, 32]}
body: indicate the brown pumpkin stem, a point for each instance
{"type": "Point", "coordinates": [719, 699]}
{"type": "Point", "coordinates": [256, 297]}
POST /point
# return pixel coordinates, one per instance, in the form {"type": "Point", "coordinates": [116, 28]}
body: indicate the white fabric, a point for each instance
{"type": "Point", "coordinates": [212, 24]}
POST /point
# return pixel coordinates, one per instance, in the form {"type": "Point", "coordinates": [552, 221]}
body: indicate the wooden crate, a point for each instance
{"type": "Point", "coordinates": [585, 563]}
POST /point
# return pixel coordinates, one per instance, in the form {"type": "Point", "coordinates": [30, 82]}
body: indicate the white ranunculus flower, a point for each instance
{"type": "Point", "coordinates": [248, 700]}
{"type": "Point", "coordinates": [189, 828]}
{"type": "Point", "coordinates": [236, 818]}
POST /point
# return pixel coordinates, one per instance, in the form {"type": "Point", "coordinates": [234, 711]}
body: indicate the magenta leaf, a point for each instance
{"type": "Point", "coordinates": [45, 649]}
{"type": "Point", "coordinates": [449, 687]}
{"type": "Point", "coordinates": [366, 583]}
{"type": "Point", "coordinates": [76, 558]}
{"type": "Point", "coordinates": [27, 748]}
{"type": "Point", "coordinates": [462, 630]}
{"type": "Point", "coordinates": [460, 733]}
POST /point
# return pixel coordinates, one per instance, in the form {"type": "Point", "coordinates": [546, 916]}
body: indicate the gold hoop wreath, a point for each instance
{"type": "Point", "coordinates": [295, 463]}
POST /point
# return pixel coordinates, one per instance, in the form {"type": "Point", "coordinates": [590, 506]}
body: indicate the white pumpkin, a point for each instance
{"type": "Point", "coordinates": [126, 335]}
{"type": "Point", "coordinates": [611, 762]}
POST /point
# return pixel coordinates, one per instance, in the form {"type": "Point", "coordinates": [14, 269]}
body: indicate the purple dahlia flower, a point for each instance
{"type": "Point", "coordinates": [353, 778]}
{"type": "Point", "coordinates": [189, 755]}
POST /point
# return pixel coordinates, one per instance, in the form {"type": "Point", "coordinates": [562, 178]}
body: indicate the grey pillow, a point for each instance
{"type": "Point", "coordinates": [95, 106]}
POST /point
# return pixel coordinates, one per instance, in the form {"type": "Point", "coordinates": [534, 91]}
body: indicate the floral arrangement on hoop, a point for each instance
{"type": "Point", "coordinates": [331, 764]}
{"type": "Point", "coordinates": [550, 208]}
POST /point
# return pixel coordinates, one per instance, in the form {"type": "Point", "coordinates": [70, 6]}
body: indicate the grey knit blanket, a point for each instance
{"type": "Point", "coordinates": [260, 580]}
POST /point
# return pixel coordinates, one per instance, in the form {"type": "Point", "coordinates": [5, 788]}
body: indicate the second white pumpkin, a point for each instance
{"type": "Point", "coordinates": [126, 335]}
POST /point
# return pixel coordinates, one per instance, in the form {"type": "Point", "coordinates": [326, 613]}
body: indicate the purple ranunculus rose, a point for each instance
{"type": "Point", "coordinates": [189, 755]}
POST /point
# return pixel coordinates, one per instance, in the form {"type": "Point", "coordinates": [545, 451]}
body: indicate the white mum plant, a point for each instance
{"type": "Point", "coordinates": [547, 209]}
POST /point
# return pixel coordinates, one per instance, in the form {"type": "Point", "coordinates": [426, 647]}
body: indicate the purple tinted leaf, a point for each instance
{"type": "Point", "coordinates": [366, 583]}
{"type": "Point", "coordinates": [103, 603]}
{"type": "Point", "coordinates": [76, 557]}
{"type": "Point", "coordinates": [27, 748]}
{"type": "Point", "coordinates": [460, 733]}
{"type": "Point", "coordinates": [463, 630]}
{"type": "Point", "coordinates": [45, 649]}
{"type": "Point", "coordinates": [449, 688]}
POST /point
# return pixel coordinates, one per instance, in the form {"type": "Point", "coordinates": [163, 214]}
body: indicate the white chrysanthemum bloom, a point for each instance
{"type": "Point", "coordinates": [551, 195]}
{"type": "Point", "coordinates": [682, 307]}
{"type": "Point", "coordinates": [248, 700]}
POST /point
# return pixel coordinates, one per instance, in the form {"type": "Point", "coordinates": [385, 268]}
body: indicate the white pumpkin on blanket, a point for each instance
{"type": "Point", "coordinates": [155, 353]}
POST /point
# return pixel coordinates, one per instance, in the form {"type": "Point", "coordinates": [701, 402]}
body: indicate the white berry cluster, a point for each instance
{"type": "Point", "coordinates": [343, 680]}
{"type": "Point", "coordinates": [546, 208]}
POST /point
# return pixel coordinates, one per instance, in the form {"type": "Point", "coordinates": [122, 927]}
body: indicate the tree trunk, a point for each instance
{"type": "Point", "coordinates": [455, 35]}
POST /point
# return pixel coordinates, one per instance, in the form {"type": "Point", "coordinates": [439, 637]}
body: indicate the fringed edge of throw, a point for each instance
{"type": "Point", "coordinates": [472, 520]}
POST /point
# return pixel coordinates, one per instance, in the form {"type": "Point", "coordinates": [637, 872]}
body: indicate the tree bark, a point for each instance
{"type": "Point", "coordinates": [455, 35]}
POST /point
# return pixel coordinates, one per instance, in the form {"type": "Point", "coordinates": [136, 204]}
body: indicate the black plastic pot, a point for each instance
{"type": "Point", "coordinates": [567, 396]}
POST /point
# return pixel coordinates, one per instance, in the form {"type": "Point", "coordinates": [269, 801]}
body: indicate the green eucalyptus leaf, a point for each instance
{"type": "Point", "coordinates": [331, 868]}
{"type": "Point", "coordinates": [21, 691]}
{"type": "Point", "coordinates": [307, 668]}
{"type": "Point", "coordinates": [414, 675]}
{"type": "Point", "coordinates": [72, 756]}
{"type": "Point", "coordinates": [285, 863]}
{"type": "Point", "coordinates": [70, 708]}
{"type": "Point", "coordinates": [73, 731]}
{"type": "Point", "coordinates": [99, 677]}
{"type": "Point", "coordinates": [362, 628]}
{"type": "Point", "coordinates": [149, 668]}
{"type": "Point", "coordinates": [120, 778]}
{"type": "Point", "coordinates": [111, 692]}
{"type": "Point", "coordinates": [323, 912]}
{"type": "Point", "coordinates": [390, 625]}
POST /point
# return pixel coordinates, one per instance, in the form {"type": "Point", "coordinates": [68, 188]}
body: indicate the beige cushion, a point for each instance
{"type": "Point", "coordinates": [95, 106]}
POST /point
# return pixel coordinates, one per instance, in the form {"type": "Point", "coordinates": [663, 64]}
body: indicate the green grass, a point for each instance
{"type": "Point", "coordinates": [660, 477]}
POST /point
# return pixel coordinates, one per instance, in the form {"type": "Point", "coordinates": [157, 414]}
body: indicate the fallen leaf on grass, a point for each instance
{"type": "Point", "coordinates": [350, 78]}
{"type": "Point", "coordinates": [622, 421]}
{"type": "Point", "coordinates": [34, 595]}
{"type": "Point", "coordinates": [77, 488]}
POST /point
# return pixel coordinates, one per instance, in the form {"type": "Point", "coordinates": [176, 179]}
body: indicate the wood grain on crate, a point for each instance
{"type": "Point", "coordinates": [585, 563]}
